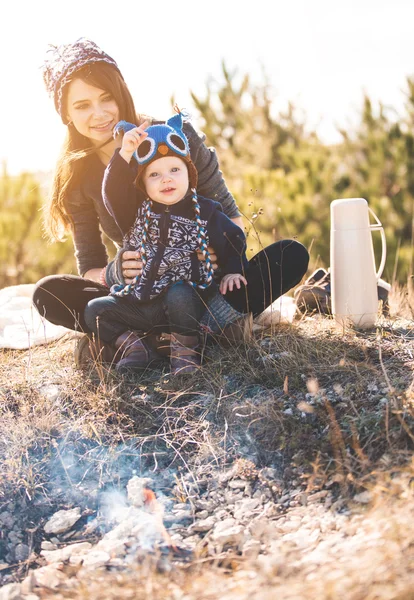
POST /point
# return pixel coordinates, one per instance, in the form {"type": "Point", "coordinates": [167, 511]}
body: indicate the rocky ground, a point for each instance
{"type": "Point", "coordinates": [285, 470]}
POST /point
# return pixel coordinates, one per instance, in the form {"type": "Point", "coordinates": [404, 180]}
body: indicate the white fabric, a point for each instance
{"type": "Point", "coordinates": [21, 326]}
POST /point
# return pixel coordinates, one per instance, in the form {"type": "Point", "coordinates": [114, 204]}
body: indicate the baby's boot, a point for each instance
{"type": "Point", "coordinates": [135, 353]}
{"type": "Point", "coordinates": [185, 354]}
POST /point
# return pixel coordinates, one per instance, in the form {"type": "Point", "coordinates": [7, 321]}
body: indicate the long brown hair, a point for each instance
{"type": "Point", "coordinates": [71, 165]}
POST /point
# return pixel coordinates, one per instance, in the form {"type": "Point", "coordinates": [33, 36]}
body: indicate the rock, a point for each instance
{"type": "Point", "coordinates": [21, 552]}
{"type": "Point", "coordinates": [63, 554]}
{"type": "Point", "coordinates": [251, 549]}
{"type": "Point", "coordinates": [62, 520]}
{"type": "Point", "coordinates": [46, 545]}
{"type": "Point", "coordinates": [76, 560]}
{"type": "Point", "coordinates": [262, 529]}
{"type": "Point", "coordinates": [112, 547]}
{"type": "Point", "coordinates": [221, 514]}
{"type": "Point", "coordinates": [203, 525]}
{"type": "Point", "coordinates": [182, 515]}
{"type": "Point", "coordinates": [205, 505]}
{"type": "Point", "coordinates": [228, 533]}
{"type": "Point", "coordinates": [246, 507]}
{"type": "Point", "coordinates": [50, 391]}
{"type": "Point", "coordinates": [95, 559]}
{"type": "Point", "coordinates": [11, 591]}
{"type": "Point", "coordinates": [363, 497]}
{"type": "Point", "coordinates": [14, 537]}
{"type": "Point", "coordinates": [237, 484]}
{"type": "Point", "coordinates": [50, 576]}
{"type": "Point", "coordinates": [6, 519]}
{"type": "Point", "coordinates": [28, 583]}
{"type": "Point", "coordinates": [203, 514]}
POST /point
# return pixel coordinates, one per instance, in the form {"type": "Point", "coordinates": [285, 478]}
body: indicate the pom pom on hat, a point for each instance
{"type": "Point", "coordinates": [63, 61]}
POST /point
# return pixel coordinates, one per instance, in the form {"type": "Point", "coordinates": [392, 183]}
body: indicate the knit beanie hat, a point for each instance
{"type": "Point", "coordinates": [163, 140]}
{"type": "Point", "coordinates": [65, 60]}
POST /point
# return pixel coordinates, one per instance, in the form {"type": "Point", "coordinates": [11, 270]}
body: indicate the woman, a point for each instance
{"type": "Point", "coordinates": [91, 96]}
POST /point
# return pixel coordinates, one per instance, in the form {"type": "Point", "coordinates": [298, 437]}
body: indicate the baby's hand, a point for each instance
{"type": "Point", "coordinates": [131, 140]}
{"type": "Point", "coordinates": [229, 281]}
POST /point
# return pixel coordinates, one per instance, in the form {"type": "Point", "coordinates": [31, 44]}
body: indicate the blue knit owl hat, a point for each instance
{"type": "Point", "coordinates": [163, 140]}
{"type": "Point", "coordinates": [63, 61]}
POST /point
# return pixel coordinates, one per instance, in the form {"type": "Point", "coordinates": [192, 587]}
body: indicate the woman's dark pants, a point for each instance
{"type": "Point", "coordinates": [62, 299]}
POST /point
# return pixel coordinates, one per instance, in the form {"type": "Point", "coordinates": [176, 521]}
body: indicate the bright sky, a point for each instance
{"type": "Point", "coordinates": [320, 54]}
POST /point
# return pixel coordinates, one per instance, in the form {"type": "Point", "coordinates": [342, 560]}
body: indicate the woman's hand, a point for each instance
{"type": "Point", "coordinates": [229, 281]}
{"type": "Point", "coordinates": [131, 265]}
{"type": "Point", "coordinates": [131, 140]}
{"type": "Point", "coordinates": [213, 257]}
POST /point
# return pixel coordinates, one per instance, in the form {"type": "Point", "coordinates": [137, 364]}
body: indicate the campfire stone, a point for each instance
{"type": "Point", "coordinates": [203, 525]}
{"type": "Point", "coordinates": [95, 559]}
{"type": "Point", "coordinates": [65, 553]}
{"type": "Point", "coordinates": [46, 545]}
{"type": "Point", "coordinates": [227, 532]}
{"type": "Point", "coordinates": [62, 520]}
{"type": "Point", "coordinates": [237, 484]}
{"type": "Point", "coordinates": [251, 549]}
{"type": "Point", "coordinates": [50, 576]}
{"type": "Point", "coordinates": [11, 591]}
{"type": "Point", "coordinates": [21, 552]}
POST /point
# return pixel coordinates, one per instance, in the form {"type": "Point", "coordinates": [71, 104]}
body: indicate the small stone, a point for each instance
{"type": "Point", "coordinates": [203, 525]}
{"type": "Point", "coordinates": [246, 508]}
{"type": "Point", "coordinates": [96, 559]}
{"type": "Point", "coordinates": [11, 591]}
{"type": "Point", "coordinates": [363, 497]}
{"type": "Point", "coordinates": [237, 484]}
{"type": "Point", "coordinates": [183, 515]}
{"type": "Point", "coordinates": [221, 514]}
{"type": "Point", "coordinates": [65, 553]}
{"type": "Point", "coordinates": [251, 549]}
{"type": "Point", "coordinates": [49, 576]}
{"type": "Point", "coordinates": [50, 391]}
{"type": "Point", "coordinates": [28, 583]}
{"type": "Point", "coordinates": [21, 552]}
{"type": "Point", "coordinates": [6, 519]}
{"type": "Point", "coordinates": [112, 547]}
{"type": "Point", "coordinates": [46, 545]}
{"type": "Point", "coordinates": [205, 505]}
{"type": "Point", "coordinates": [76, 560]}
{"type": "Point", "coordinates": [232, 535]}
{"type": "Point", "coordinates": [317, 496]}
{"type": "Point", "coordinates": [203, 514]}
{"type": "Point", "coordinates": [62, 520]}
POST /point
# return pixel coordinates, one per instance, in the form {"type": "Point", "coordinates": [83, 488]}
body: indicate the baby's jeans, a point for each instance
{"type": "Point", "coordinates": [177, 310]}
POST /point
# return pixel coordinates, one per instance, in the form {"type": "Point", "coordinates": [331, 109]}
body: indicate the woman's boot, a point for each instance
{"type": "Point", "coordinates": [135, 353]}
{"type": "Point", "coordinates": [185, 354]}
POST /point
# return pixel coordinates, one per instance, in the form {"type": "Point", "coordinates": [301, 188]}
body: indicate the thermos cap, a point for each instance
{"type": "Point", "coordinates": [349, 213]}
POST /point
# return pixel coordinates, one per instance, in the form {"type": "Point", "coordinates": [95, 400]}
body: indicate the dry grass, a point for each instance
{"type": "Point", "coordinates": [323, 407]}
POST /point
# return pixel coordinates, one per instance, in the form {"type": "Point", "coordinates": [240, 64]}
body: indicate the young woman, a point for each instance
{"type": "Point", "coordinates": [91, 96]}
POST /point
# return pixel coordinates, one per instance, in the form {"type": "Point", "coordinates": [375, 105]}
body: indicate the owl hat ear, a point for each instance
{"type": "Point", "coordinates": [176, 122]}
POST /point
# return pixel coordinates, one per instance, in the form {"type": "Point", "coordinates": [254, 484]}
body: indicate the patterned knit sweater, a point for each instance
{"type": "Point", "coordinates": [172, 236]}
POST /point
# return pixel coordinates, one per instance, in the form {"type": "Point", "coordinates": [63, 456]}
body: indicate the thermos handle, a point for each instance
{"type": "Point", "coordinates": [379, 227]}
